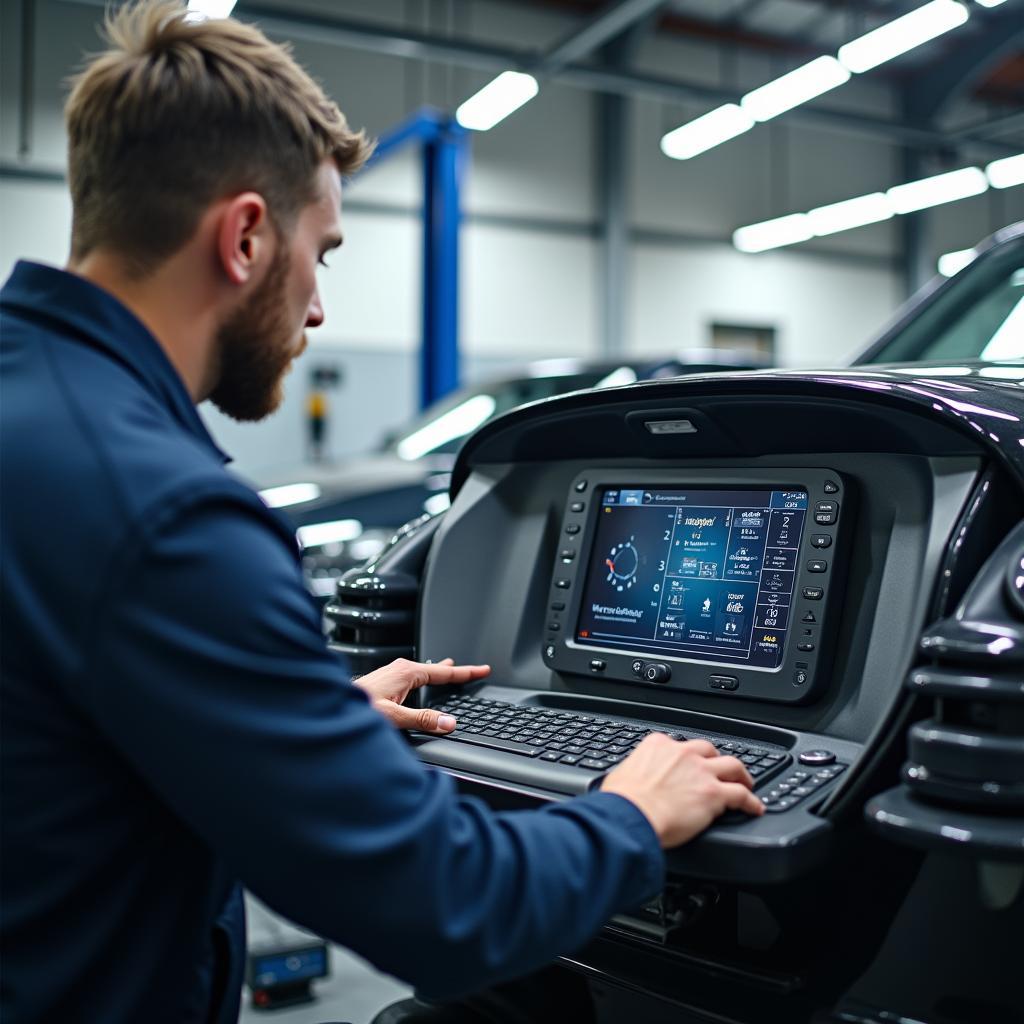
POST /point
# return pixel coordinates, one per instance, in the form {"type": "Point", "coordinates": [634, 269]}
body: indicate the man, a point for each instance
{"type": "Point", "coordinates": [172, 723]}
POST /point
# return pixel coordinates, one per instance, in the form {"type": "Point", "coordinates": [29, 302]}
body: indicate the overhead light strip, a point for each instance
{"type": "Point", "coordinates": [902, 35]}
{"type": "Point", "coordinates": [879, 206]}
{"type": "Point", "coordinates": [201, 9]}
{"type": "Point", "coordinates": [815, 78]}
{"type": "Point", "coordinates": [496, 100]}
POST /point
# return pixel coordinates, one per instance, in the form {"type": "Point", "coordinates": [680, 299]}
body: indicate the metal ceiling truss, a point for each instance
{"type": "Point", "coordinates": [413, 44]}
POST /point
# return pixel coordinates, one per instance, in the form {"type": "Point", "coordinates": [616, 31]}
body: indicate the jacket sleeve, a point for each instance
{"type": "Point", "coordinates": [210, 675]}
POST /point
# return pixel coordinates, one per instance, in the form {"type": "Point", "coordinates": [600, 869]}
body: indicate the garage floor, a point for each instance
{"type": "Point", "coordinates": [353, 992]}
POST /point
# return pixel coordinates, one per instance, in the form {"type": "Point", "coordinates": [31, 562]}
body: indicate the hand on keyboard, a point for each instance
{"type": "Point", "coordinates": [682, 787]}
{"type": "Point", "coordinates": [387, 687]}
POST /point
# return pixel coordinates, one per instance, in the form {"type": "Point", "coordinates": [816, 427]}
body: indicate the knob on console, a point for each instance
{"type": "Point", "coordinates": [657, 672]}
{"type": "Point", "coordinates": [816, 758]}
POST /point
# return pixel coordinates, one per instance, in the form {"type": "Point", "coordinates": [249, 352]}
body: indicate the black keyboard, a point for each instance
{"type": "Point", "coordinates": [592, 742]}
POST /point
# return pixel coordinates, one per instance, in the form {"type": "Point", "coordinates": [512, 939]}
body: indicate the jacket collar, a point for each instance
{"type": "Point", "coordinates": [85, 313]}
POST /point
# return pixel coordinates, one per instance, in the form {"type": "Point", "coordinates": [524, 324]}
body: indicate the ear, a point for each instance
{"type": "Point", "coordinates": [243, 236]}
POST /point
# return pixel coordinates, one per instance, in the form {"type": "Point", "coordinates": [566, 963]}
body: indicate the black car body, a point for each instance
{"type": "Point", "coordinates": [892, 888]}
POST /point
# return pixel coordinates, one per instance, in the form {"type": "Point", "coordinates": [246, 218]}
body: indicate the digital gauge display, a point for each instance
{"type": "Point", "coordinates": [695, 573]}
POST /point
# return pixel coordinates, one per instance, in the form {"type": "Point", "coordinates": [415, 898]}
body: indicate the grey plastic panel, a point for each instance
{"type": "Point", "coordinates": [485, 592]}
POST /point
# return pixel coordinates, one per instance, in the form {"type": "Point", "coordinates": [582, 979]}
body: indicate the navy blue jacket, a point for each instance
{"type": "Point", "coordinates": [172, 724]}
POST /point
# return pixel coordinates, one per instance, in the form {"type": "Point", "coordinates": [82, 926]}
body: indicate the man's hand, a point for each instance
{"type": "Point", "coordinates": [387, 687]}
{"type": "Point", "coordinates": [682, 787]}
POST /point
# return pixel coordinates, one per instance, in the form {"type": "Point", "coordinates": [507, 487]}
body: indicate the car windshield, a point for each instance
{"type": "Point", "coordinates": [979, 315]}
{"type": "Point", "coordinates": [442, 428]}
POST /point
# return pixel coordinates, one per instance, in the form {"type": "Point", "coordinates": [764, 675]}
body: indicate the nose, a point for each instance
{"type": "Point", "coordinates": [315, 313]}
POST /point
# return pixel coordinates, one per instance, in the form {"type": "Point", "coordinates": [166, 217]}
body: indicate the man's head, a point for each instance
{"type": "Point", "coordinates": [182, 117]}
{"type": "Point", "coordinates": [179, 113]}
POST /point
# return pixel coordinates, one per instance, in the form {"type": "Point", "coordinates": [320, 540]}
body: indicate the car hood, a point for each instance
{"type": "Point", "coordinates": [982, 401]}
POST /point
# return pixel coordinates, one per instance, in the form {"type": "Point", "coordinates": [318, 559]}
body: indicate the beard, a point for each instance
{"type": "Point", "coordinates": [254, 349]}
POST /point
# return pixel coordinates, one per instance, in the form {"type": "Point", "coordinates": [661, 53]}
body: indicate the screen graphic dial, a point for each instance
{"type": "Point", "coordinates": [622, 563]}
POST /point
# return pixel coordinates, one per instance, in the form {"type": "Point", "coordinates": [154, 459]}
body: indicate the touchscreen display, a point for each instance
{"type": "Point", "coordinates": [705, 574]}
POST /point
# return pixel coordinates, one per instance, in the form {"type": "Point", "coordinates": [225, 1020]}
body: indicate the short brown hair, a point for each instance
{"type": "Point", "coordinates": [178, 113]}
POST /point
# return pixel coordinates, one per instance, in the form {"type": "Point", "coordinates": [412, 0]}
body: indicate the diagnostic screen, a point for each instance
{"type": "Point", "coordinates": [705, 574]}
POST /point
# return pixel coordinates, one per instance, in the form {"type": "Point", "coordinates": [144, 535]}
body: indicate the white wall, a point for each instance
{"type": "Point", "coordinates": [530, 283]}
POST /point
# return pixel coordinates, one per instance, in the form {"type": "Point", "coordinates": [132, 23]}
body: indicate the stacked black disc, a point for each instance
{"type": "Point", "coordinates": [964, 776]}
{"type": "Point", "coordinates": [372, 617]}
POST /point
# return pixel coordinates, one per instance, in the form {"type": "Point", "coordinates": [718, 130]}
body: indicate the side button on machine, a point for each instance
{"type": "Point", "coordinates": [821, 540]}
{"type": "Point", "coordinates": [657, 672]}
{"type": "Point", "coordinates": [723, 682]}
{"type": "Point", "coordinates": [826, 512]}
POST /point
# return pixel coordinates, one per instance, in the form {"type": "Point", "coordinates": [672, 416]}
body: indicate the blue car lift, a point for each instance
{"type": "Point", "coordinates": [445, 151]}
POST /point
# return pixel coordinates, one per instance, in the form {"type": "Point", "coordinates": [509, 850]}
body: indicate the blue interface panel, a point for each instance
{"type": "Point", "coordinates": [693, 573]}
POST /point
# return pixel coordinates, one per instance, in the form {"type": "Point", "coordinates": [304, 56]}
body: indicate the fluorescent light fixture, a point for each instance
{"type": "Point", "coordinates": [903, 34]}
{"type": "Point", "coordinates": [851, 213]}
{"type": "Point", "coordinates": [554, 367]}
{"type": "Point", "coordinates": [953, 262]}
{"type": "Point", "coordinates": [335, 532]}
{"type": "Point", "coordinates": [496, 100]}
{"type": "Point", "coordinates": [456, 422]}
{"type": "Point", "coordinates": [436, 504]}
{"type": "Point", "coordinates": [1008, 341]}
{"type": "Point", "coordinates": [990, 3]}
{"type": "Point", "coordinates": [941, 188]}
{"type": "Point", "coordinates": [799, 86]}
{"type": "Point", "coordinates": [200, 9]}
{"type": "Point", "coordinates": [706, 132]}
{"type": "Point", "coordinates": [1006, 172]}
{"type": "Point", "coordinates": [770, 234]}
{"type": "Point", "coordinates": [290, 494]}
{"type": "Point", "coordinates": [617, 378]}
{"type": "Point", "coordinates": [932, 371]}
{"type": "Point", "coordinates": [1002, 372]}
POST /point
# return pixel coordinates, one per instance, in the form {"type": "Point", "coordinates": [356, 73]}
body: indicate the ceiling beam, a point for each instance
{"type": "Point", "coordinates": [605, 26]}
{"type": "Point", "coordinates": [398, 41]}
{"type": "Point", "coordinates": [933, 88]}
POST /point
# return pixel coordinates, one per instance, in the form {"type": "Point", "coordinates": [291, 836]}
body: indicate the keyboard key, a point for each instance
{"type": "Point", "coordinates": [569, 758]}
{"type": "Point", "coordinates": [550, 755]}
{"type": "Point", "coordinates": [594, 764]}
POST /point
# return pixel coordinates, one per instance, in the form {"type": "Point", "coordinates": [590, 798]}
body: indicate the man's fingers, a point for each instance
{"type": "Point", "coordinates": [703, 747]}
{"type": "Point", "coordinates": [731, 769]}
{"type": "Point", "coordinates": [423, 719]}
{"type": "Point", "coordinates": [445, 673]}
{"type": "Point", "coordinates": [739, 798]}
